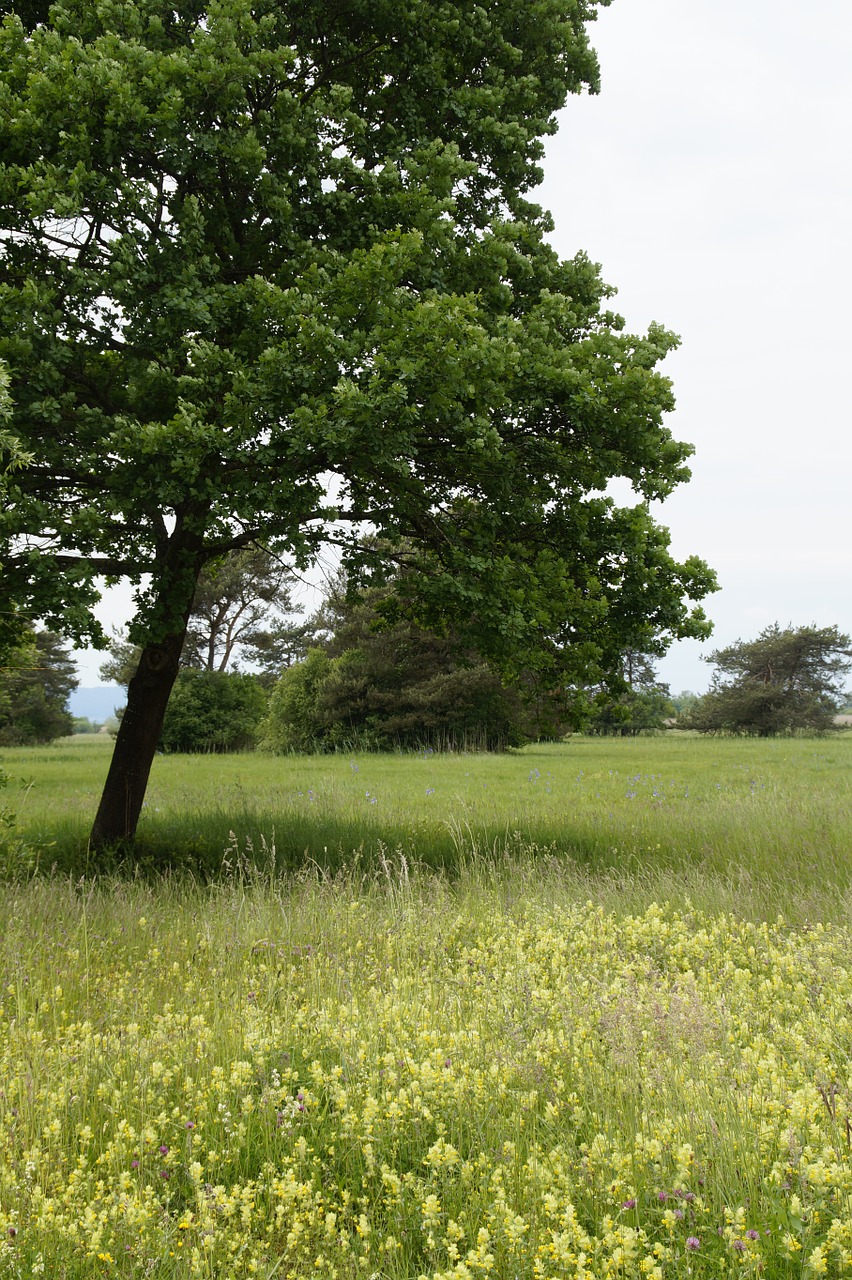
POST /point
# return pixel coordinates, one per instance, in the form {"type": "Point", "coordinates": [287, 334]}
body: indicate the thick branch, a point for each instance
{"type": "Point", "coordinates": [102, 566]}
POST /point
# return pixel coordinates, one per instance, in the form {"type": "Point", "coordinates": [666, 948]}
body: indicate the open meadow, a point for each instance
{"type": "Point", "coordinates": [580, 1010]}
{"type": "Point", "coordinates": [746, 825]}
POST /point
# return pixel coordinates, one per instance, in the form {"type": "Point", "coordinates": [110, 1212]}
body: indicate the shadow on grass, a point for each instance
{"type": "Point", "coordinates": [210, 845]}
{"type": "Point", "coordinates": [582, 863]}
{"type": "Point", "coordinates": [747, 855]}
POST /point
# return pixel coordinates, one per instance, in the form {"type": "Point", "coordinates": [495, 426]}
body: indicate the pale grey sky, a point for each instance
{"type": "Point", "coordinates": [711, 178]}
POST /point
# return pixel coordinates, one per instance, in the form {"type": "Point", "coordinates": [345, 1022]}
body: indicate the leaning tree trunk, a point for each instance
{"type": "Point", "coordinates": [138, 734]}
{"type": "Point", "coordinates": [147, 698]}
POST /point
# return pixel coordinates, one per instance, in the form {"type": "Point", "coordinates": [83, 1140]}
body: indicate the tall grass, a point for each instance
{"type": "Point", "coordinates": [435, 1018]}
{"type": "Point", "coordinates": [764, 826]}
{"type": "Point", "coordinates": [391, 1074]}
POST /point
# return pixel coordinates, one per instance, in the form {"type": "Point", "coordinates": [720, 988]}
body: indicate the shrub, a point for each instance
{"type": "Point", "coordinates": [292, 720]}
{"type": "Point", "coordinates": [213, 711]}
{"type": "Point", "coordinates": [326, 703]}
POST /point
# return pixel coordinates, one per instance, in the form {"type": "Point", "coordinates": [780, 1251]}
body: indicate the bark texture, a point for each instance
{"type": "Point", "coordinates": [136, 744]}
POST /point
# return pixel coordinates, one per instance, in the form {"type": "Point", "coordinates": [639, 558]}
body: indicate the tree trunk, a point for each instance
{"type": "Point", "coordinates": [147, 698]}
{"type": "Point", "coordinates": [136, 744]}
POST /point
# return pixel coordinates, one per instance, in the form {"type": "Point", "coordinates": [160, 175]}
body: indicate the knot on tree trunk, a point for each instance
{"type": "Point", "coordinates": [157, 659]}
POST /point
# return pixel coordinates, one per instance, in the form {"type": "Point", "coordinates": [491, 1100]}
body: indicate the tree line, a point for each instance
{"type": "Point", "coordinates": [355, 676]}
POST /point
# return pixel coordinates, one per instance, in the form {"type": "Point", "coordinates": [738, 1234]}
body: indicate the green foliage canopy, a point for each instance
{"type": "Point", "coordinates": [270, 275]}
{"type": "Point", "coordinates": [252, 260]}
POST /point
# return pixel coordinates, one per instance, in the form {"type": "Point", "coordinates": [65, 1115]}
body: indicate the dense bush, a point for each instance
{"type": "Point", "coordinates": [325, 703]}
{"type": "Point", "coordinates": [381, 685]}
{"type": "Point", "coordinates": [292, 722]}
{"type": "Point", "coordinates": [213, 711]}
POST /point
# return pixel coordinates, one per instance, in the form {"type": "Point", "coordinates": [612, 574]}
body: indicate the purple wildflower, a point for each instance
{"type": "Point", "coordinates": [693, 1243]}
{"type": "Point", "coordinates": [752, 1234]}
{"type": "Point", "coordinates": [629, 1204]}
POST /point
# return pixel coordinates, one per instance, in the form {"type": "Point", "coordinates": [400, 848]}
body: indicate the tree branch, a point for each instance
{"type": "Point", "coordinates": [103, 566]}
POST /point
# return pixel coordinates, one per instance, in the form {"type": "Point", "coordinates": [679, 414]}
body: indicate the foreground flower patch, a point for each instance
{"type": "Point", "coordinates": [420, 1084]}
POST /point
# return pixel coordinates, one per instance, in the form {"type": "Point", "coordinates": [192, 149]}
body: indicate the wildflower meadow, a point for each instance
{"type": "Point", "coordinates": [493, 1047]}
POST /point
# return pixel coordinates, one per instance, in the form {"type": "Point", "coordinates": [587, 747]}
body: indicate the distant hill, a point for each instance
{"type": "Point", "coordinates": [97, 703]}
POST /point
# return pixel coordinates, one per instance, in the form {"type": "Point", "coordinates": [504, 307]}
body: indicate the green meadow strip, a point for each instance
{"type": "Point", "coordinates": [580, 1011]}
{"type": "Point", "coordinates": [761, 826]}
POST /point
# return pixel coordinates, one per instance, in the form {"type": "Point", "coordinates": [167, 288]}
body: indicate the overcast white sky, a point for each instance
{"type": "Point", "coordinates": [712, 180]}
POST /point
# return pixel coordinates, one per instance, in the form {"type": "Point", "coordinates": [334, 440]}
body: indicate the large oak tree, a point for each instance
{"type": "Point", "coordinates": [269, 275]}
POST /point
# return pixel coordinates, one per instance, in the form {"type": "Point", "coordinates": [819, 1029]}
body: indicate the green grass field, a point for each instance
{"type": "Point", "coordinates": [753, 826]}
{"type": "Point", "coordinates": [580, 1011]}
